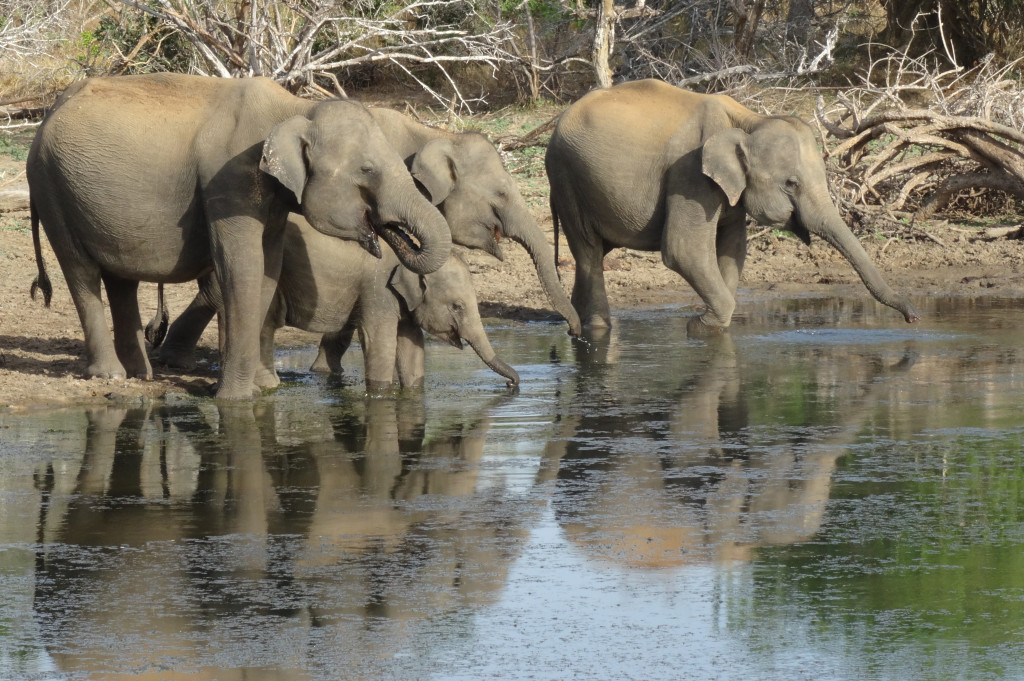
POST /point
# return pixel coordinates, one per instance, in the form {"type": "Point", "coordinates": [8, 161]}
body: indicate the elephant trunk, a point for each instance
{"type": "Point", "coordinates": [477, 340]}
{"type": "Point", "coordinates": [520, 226]}
{"type": "Point", "coordinates": [412, 213]}
{"type": "Point", "coordinates": [835, 231]}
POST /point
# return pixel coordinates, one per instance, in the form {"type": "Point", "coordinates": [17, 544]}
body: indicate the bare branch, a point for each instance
{"type": "Point", "coordinates": [893, 160]}
{"type": "Point", "coordinates": [298, 42]}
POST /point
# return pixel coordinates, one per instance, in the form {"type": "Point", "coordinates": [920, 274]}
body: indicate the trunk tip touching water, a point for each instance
{"type": "Point", "coordinates": [544, 263]}
{"type": "Point", "coordinates": [836, 233]}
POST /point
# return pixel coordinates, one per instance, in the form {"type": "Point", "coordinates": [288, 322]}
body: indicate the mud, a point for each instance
{"type": "Point", "coordinates": [41, 349]}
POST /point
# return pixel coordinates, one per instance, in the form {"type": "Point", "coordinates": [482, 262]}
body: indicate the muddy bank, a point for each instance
{"type": "Point", "coordinates": [41, 348]}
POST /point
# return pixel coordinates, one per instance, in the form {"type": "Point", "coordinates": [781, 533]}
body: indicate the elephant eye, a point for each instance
{"type": "Point", "coordinates": [793, 184]}
{"type": "Point", "coordinates": [457, 306]}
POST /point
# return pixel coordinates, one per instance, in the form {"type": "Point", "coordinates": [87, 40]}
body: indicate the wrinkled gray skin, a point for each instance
{"type": "Point", "coordinates": [464, 177]}
{"type": "Point", "coordinates": [328, 285]}
{"type": "Point", "coordinates": [166, 177]}
{"type": "Point", "coordinates": [647, 166]}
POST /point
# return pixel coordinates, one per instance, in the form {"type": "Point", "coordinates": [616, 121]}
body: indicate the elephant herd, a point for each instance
{"type": "Point", "coordinates": [278, 206]}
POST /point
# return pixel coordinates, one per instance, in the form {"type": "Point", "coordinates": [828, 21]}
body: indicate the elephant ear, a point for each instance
{"type": "Point", "coordinates": [284, 154]}
{"type": "Point", "coordinates": [434, 168]}
{"type": "Point", "coordinates": [724, 160]}
{"type": "Point", "coordinates": [409, 286]}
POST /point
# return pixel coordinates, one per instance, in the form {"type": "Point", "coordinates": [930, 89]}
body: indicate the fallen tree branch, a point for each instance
{"type": "Point", "coordinates": [904, 164]}
{"type": "Point", "coordinates": [530, 139]}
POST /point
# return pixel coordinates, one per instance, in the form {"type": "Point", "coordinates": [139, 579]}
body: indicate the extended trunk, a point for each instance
{"type": "Point", "coordinates": [521, 227]}
{"type": "Point", "coordinates": [477, 339]}
{"type": "Point", "coordinates": [836, 232]}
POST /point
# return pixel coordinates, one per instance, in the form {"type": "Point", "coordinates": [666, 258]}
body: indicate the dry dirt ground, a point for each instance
{"type": "Point", "coordinates": [41, 349]}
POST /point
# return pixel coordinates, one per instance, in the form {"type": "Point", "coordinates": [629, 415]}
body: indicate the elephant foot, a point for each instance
{"type": "Point", "coordinates": [701, 327]}
{"type": "Point", "coordinates": [320, 365]}
{"type": "Point", "coordinates": [141, 370]}
{"type": "Point", "coordinates": [177, 358]}
{"type": "Point", "coordinates": [229, 393]}
{"type": "Point", "coordinates": [597, 323]}
{"type": "Point", "coordinates": [267, 379]}
{"type": "Point", "coordinates": [377, 389]}
{"type": "Point", "coordinates": [102, 369]}
{"type": "Point", "coordinates": [142, 375]}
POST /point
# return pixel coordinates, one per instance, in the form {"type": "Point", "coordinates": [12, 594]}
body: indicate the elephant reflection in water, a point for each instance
{"type": "Point", "coordinates": [174, 549]}
{"type": "Point", "coordinates": [704, 489]}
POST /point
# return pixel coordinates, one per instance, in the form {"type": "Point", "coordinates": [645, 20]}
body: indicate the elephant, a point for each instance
{"type": "Point", "coordinates": [166, 177]}
{"type": "Point", "coordinates": [462, 174]}
{"type": "Point", "coordinates": [648, 166]}
{"type": "Point", "coordinates": [464, 177]}
{"type": "Point", "coordinates": [327, 285]}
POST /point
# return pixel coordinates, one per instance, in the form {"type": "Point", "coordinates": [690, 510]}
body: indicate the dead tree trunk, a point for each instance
{"type": "Point", "coordinates": [604, 38]}
{"type": "Point", "coordinates": [748, 16]}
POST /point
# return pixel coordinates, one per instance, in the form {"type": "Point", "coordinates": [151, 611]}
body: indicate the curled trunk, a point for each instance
{"type": "Point", "coordinates": [415, 215]}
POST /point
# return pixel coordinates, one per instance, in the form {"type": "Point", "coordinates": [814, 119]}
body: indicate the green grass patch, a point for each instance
{"type": "Point", "coordinates": [15, 148]}
{"type": "Point", "coordinates": [9, 223]}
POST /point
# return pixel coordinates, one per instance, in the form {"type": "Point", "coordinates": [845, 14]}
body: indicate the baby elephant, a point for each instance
{"type": "Point", "coordinates": [329, 285]}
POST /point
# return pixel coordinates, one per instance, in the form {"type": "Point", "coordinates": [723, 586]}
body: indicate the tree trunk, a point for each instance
{"type": "Point", "coordinates": [747, 19]}
{"type": "Point", "coordinates": [604, 38]}
{"type": "Point", "coordinates": [531, 42]}
{"type": "Point", "coordinates": [798, 20]}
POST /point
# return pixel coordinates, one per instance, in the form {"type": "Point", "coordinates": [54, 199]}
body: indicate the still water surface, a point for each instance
{"type": "Point", "coordinates": [823, 493]}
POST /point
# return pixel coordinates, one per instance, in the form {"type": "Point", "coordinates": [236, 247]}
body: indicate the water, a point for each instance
{"type": "Point", "coordinates": [823, 493]}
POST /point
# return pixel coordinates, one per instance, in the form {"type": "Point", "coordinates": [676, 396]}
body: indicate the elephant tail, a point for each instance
{"type": "Point", "coordinates": [554, 220]}
{"type": "Point", "coordinates": [42, 280]}
{"type": "Point", "coordinates": [156, 329]}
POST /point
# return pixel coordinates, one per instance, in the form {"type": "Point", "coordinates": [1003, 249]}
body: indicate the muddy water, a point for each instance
{"type": "Point", "coordinates": [824, 492]}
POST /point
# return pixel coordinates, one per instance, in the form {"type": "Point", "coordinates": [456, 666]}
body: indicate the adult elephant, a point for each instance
{"type": "Point", "coordinates": [647, 166]}
{"type": "Point", "coordinates": [165, 177]}
{"type": "Point", "coordinates": [464, 177]}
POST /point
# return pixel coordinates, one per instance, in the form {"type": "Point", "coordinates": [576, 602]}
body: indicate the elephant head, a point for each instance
{"type": "Point", "coordinates": [349, 183]}
{"type": "Point", "coordinates": [463, 176]}
{"type": "Point", "coordinates": [777, 172]}
{"type": "Point", "coordinates": [444, 305]}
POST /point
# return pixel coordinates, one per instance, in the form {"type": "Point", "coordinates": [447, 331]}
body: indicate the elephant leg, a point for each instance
{"type": "Point", "coordinates": [380, 345]}
{"type": "Point", "coordinates": [589, 296]}
{"type": "Point", "coordinates": [100, 450]}
{"type": "Point", "coordinates": [690, 247]}
{"type": "Point", "coordinates": [409, 357]}
{"type": "Point", "coordinates": [273, 247]}
{"type": "Point", "coordinates": [332, 347]}
{"type": "Point", "coordinates": [247, 264]}
{"type": "Point", "coordinates": [266, 375]}
{"type": "Point", "coordinates": [178, 349]}
{"type": "Point", "coordinates": [731, 246]}
{"type": "Point", "coordinates": [83, 278]}
{"type": "Point", "coordinates": [129, 336]}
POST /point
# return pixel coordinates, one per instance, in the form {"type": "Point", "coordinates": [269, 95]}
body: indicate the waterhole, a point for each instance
{"type": "Point", "coordinates": [824, 492]}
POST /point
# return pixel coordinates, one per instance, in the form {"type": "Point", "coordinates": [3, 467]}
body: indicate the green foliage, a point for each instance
{"type": "Point", "coordinates": [13, 149]}
{"type": "Point", "coordinates": [89, 47]}
{"type": "Point", "coordinates": [161, 53]}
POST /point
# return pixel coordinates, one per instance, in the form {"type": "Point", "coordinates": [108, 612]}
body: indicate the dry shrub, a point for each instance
{"type": "Point", "coordinates": [912, 141]}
